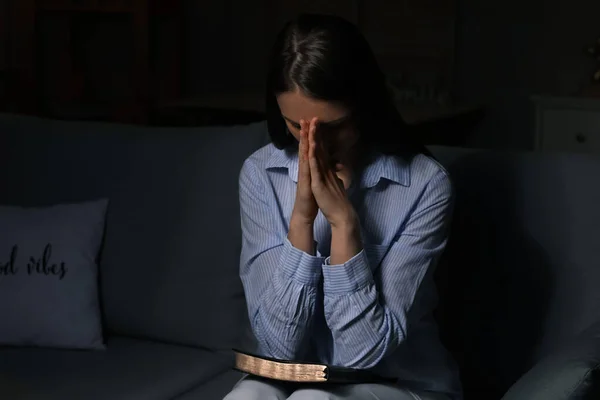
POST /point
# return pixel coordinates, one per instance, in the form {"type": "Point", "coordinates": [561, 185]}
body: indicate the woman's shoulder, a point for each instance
{"type": "Point", "coordinates": [262, 157]}
{"type": "Point", "coordinates": [427, 172]}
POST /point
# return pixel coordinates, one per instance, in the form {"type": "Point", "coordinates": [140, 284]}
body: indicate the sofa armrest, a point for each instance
{"type": "Point", "coordinates": [570, 372]}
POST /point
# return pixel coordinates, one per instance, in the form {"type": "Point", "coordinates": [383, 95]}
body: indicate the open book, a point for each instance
{"type": "Point", "coordinates": [293, 371]}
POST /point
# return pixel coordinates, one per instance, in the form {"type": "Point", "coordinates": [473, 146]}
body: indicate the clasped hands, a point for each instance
{"type": "Point", "coordinates": [319, 187]}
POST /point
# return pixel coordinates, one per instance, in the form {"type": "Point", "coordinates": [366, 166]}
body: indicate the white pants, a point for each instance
{"type": "Point", "coordinates": [259, 389]}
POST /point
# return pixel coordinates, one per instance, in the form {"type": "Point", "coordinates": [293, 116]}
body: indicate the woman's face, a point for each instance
{"type": "Point", "coordinates": [335, 124]}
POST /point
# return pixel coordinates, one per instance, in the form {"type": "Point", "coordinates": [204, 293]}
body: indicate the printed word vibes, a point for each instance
{"type": "Point", "coordinates": [42, 265]}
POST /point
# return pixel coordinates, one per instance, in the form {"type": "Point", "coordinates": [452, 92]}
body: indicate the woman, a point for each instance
{"type": "Point", "coordinates": [343, 220]}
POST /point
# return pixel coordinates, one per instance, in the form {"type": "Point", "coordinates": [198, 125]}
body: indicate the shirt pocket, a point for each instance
{"type": "Point", "coordinates": [375, 254]}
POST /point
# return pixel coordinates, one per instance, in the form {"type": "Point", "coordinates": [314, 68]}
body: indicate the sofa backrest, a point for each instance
{"type": "Point", "coordinates": [169, 265]}
{"type": "Point", "coordinates": [520, 275]}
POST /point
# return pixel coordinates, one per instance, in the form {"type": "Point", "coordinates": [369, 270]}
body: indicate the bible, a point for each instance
{"type": "Point", "coordinates": [302, 372]}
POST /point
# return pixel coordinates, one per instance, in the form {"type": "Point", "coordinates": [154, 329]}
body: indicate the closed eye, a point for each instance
{"type": "Point", "coordinates": [325, 125]}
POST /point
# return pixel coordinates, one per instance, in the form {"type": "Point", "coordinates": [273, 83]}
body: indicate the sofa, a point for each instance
{"type": "Point", "coordinates": [519, 301]}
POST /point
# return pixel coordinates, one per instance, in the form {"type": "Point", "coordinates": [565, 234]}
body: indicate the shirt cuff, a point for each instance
{"type": "Point", "coordinates": [349, 277]}
{"type": "Point", "coordinates": [300, 266]}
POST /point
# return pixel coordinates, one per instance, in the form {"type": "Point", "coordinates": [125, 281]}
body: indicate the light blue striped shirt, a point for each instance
{"type": "Point", "coordinates": [374, 311]}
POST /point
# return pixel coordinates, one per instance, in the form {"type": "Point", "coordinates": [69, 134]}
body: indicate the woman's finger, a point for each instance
{"type": "Point", "coordinates": [318, 146]}
{"type": "Point", "coordinates": [315, 172]}
{"type": "Point", "coordinates": [303, 147]}
{"type": "Point", "coordinates": [303, 164]}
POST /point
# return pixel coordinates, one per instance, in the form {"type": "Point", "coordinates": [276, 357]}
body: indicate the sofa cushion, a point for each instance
{"type": "Point", "coordinates": [169, 266]}
{"type": "Point", "coordinates": [570, 372]}
{"type": "Point", "coordinates": [129, 369]}
{"type": "Point", "coordinates": [49, 275]}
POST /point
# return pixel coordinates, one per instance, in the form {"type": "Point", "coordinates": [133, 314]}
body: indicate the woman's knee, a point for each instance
{"type": "Point", "coordinates": [313, 394]}
{"type": "Point", "coordinates": [250, 389]}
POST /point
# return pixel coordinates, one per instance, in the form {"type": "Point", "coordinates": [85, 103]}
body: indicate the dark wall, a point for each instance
{"type": "Point", "coordinates": [511, 49]}
{"type": "Point", "coordinates": [225, 46]}
{"type": "Point", "coordinates": [3, 50]}
{"type": "Point", "coordinates": [505, 52]}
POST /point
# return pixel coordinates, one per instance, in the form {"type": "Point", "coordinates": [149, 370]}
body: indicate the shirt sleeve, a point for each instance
{"type": "Point", "coordinates": [279, 280]}
{"type": "Point", "coordinates": [367, 314]}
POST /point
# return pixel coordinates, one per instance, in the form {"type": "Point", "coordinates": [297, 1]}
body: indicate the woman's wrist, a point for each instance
{"type": "Point", "coordinates": [346, 241]}
{"type": "Point", "coordinates": [346, 220]}
{"type": "Point", "coordinates": [300, 234]}
{"type": "Point", "coordinates": [301, 221]}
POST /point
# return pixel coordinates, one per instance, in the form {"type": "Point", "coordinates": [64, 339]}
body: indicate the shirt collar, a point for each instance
{"type": "Point", "coordinates": [382, 166]}
{"type": "Point", "coordinates": [388, 167]}
{"type": "Point", "coordinates": [284, 159]}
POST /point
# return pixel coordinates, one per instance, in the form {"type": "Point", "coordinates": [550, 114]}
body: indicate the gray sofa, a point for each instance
{"type": "Point", "coordinates": [518, 282]}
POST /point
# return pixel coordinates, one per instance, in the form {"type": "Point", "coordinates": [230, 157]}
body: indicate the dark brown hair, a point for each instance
{"type": "Point", "coordinates": [327, 58]}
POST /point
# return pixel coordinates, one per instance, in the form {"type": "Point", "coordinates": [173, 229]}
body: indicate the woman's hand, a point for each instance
{"type": "Point", "coordinates": [327, 188]}
{"type": "Point", "coordinates": [305, 207]}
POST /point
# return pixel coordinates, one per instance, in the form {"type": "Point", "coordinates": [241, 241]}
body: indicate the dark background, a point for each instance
{"type": "Point", "coordinates": [469, 66]}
